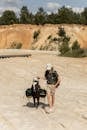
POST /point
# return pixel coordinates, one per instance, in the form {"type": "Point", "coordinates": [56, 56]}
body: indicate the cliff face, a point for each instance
{"type": "Point", "coordinates": [24, 34]}
{"type": "Point", "coordinates": [15, 33]}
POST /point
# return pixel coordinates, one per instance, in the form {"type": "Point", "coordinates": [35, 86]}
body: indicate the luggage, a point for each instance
{"type": "Point", "coordinates": [28, 92]}
{"type": "Point", "coordinates": [43, 93]}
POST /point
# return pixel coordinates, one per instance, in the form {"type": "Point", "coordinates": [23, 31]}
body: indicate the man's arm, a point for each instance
{"type": "Point", "coordinates": [58, 82]}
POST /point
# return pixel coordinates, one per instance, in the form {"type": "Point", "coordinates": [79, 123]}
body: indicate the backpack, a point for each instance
{"type": "Point", "coordinates": [52, 77]}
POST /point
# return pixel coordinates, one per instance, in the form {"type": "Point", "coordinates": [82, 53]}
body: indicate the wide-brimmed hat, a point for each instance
{"type": "Point", "coordinates": [49, 66]}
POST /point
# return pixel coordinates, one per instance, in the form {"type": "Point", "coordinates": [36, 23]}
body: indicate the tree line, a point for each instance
{"type": "Point", "coordinates": [41, 17]}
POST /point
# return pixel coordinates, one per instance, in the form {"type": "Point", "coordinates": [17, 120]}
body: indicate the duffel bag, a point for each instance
{"type": "Point", "coordinates": [28, 92]}
{"type": "Point", "coordinates": [42, 93]}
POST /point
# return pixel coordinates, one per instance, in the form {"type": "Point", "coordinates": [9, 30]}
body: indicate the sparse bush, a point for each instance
{"type": "Point", "coordinates": [15, 45]}
{"type": "Point", "coordinates": [33, 48]}
{"type": "Point", "coordinates": [49, 37]}
{"type": "Point", "coordinates": [63, 42]}
{"type": "Point", "coordinates": [41, 47]}
{"type": "Point", "coordinates": [47, 47]}
{"type": "Point", "coordinates": [61, 32]}
{"type": "Point", "coordinates": [55, 39]}
{"type": "Point", "coordinates": [85, 50]}
{"type": "Point", "coordinates": [66, 39]}
{"type": "Point", "coordinates": [75, 53]}
{"type": "Point", "coordinates": [76, 50]}
{"type": "Point", "coordinates": [36, 34]}
{"type": "Point", "coordinates": [63, 48]}
{"type": "Point", "coordinates": [75, 45]}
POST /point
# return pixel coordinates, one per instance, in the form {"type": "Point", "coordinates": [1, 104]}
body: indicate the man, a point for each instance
{"type": "Point", "coordinates": [53, 81]}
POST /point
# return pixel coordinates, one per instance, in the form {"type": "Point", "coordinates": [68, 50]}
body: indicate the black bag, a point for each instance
{"type": "Point", "coordinates": [28, 92]}
{"type": "Point", "coordinates": [52, 78]}
{"type": "Point", "coordinates": [42, 93]}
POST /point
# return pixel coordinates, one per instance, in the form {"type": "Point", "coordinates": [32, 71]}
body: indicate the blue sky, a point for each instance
{"type": "Point", "coordinates": [48, 5]}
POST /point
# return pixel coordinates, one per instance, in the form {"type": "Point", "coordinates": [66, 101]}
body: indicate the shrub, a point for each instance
{"type": "Point", "coordinates": [76, 50]}
{"type": "Point", "coordinates": [49, 37]}
{"type": "Point", "coordinates": [75, 53]}
{"type": "Point", "coordinates": [55, 39]}
{"type": "Point", "coordinates": [63, 42]}
{"type": "Point", "coordinates": [36, 34]}
{"type": "Point", "coordinates": [75, 45]}
{"type": "Point", "coordinates": [63, 48]}
{"type": "Point", "coordinates": [15, 45]}
{"type": "Point", "coordinates": [33, 48]}
{"type": "Point", "coordinates": [61, 32]}
{"type": "Point", "coordinates": [85, 50]}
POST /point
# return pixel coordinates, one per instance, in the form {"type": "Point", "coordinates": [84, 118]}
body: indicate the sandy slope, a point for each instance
{"type": "Point", "coordinates": [24, 34]}
{"type": "Point", "coordinates": [71, 97]}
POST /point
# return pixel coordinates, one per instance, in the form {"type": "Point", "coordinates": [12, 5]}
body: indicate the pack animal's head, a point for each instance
{"type": "Point", "coordinates": [35, 84]}
{"type": "Point", "coordinates": [35, 81]}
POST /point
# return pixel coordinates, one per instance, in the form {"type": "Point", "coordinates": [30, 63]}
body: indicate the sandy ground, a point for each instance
{"type": "Point", "coordinates": [18, 113]}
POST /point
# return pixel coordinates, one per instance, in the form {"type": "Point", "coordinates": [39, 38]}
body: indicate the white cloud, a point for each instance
{"type": "Point", "coordinates": [77, 10]}
{"type": "Point", "coordinates": [68, 6]}
{"type": "Point", "coordinates": [1, 11]}
{"type": "Point", "coordinates": [15, 9]}
{"type": "Point", "coordinates": [53, 5]}
{"type": "Point", "coordinates": [9, 5]}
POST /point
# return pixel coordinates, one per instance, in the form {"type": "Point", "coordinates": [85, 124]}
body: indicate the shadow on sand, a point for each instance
{"type": "Point", "coordinates": [31, 105]}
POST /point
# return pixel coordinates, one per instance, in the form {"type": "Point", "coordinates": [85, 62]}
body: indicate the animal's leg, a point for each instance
{"type": "Point", "coordinates": [34, 101]}
{"type": "Point", "coordinates": [38, 100]}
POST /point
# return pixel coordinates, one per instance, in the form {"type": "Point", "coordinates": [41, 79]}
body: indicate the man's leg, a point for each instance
{"type": "Point", "coordinates": [49, 100]}
{"type": "Point", "coordinates": [53, 99]}
{"type": "Point", "coordinates": [53, 95]}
